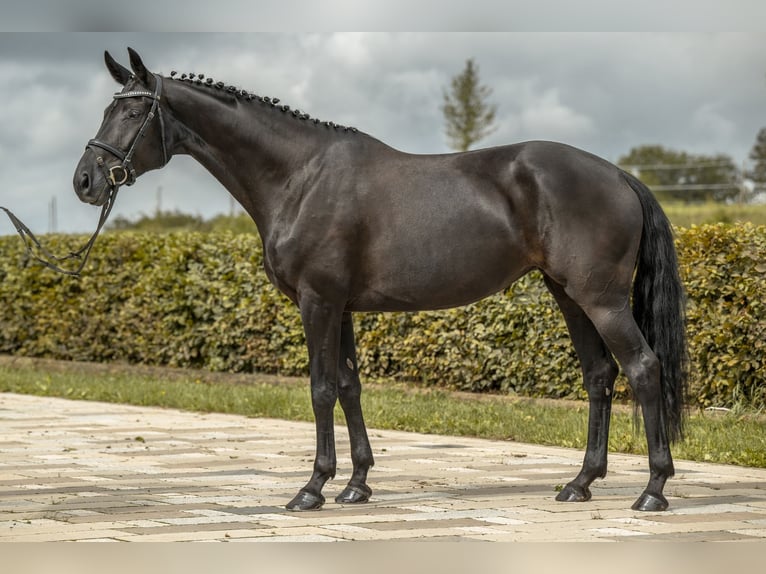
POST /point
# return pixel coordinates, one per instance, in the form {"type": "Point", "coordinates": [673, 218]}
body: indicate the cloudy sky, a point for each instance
{"type": "Point", "coordinates": [702, 92]}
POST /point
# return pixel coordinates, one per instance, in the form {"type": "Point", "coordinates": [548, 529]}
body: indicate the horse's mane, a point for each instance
{"type": "Point", "coordinates": [232, 91]}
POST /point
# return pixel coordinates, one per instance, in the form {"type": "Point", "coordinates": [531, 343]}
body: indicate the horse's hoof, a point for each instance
{"type": "Point", "coordinates": [354, 494]}
{"type": "Point", "coordinates": [305, 501]}
{"type": "Point", "coordinates": [573, 493]}
{"type": "Point", "coordinates": [650, 503]}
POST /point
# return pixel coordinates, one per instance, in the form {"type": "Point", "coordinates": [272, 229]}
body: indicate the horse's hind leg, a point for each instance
{"type": "Point", "coordinates": [599, 372]}
{"type": "Point", "coordinates": [614, 321]}
{"type": "Point", "coordinates": [349, 392]}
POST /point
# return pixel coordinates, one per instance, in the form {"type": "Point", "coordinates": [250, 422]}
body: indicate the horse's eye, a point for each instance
{"type": "Point", "coordinates": [133, 113]}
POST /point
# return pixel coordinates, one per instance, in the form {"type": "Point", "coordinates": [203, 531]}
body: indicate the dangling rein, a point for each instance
{"type": "Point", "coordinates": [126, 177]}
{"type": "Point", "coordinates": [52, 261]}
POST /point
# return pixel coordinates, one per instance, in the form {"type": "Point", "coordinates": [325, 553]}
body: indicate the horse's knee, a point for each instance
{"type": "Point", "coordinates": [349, 386]}
{"type": "Point", "coordinates": [599, 378]}
{"type": "Point", "coordinates": [323, 398]}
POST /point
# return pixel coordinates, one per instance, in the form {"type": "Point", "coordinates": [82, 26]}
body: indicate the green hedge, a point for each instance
{"type": "Point", "coordinates": [202, 300]}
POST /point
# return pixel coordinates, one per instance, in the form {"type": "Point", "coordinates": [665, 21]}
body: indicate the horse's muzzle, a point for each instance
{"type": "Point", "coordinates": [89, 183]}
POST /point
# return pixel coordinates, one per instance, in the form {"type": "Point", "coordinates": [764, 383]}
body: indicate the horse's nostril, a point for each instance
{"type": "Point", "coordinates": [84, 182]}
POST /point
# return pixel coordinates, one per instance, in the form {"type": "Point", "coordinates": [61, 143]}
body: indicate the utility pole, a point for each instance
{"type": "Point", "coordinates": [52, 215]}
{"type": "Point", "coordinates": [159, 201]}
{"type": "Point", "coordinates": [742, 197]}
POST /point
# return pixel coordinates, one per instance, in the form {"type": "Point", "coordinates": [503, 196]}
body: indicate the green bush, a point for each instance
{"type": "Point", "coordinates": [202, 300]}
{"type": "Point", "coordinates": [724, 272]}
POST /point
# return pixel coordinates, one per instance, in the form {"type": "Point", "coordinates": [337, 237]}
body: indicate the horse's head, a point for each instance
{"type": "Point", "coordinates": [131, 139]}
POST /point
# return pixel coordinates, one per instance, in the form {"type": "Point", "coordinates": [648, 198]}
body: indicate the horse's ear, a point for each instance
{"type": "Point", "coordinates": [144, 76]}
{"type": "Point", "coordinates": [119, 72]}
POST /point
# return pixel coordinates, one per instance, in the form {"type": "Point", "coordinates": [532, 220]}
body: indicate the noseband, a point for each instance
{"type": "Point", "coordinates": [124, 173]}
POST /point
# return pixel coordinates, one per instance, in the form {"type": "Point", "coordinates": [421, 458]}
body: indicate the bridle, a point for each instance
{"type": "Point", "coordinates": [117, 175]}
{"type": "Point", "coordinates": [125, 173]}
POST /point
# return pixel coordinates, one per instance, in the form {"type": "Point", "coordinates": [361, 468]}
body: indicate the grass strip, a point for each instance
{"type": "Point", "coordinates": [732, 438]}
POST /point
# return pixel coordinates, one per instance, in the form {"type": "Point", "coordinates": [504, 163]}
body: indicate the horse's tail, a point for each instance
{"type": "Point", "coordinates": [658, 306]}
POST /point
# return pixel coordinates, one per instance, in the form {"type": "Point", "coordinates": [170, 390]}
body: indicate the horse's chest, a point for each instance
{"type": "Point", "coordinates": [277, 265]}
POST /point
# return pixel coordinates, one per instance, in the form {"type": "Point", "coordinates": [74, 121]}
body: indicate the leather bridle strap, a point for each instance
{"type": "Point", "coordinates": [128, 173]}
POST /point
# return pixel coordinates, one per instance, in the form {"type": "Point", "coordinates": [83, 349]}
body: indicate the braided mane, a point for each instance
{"type": "Point", "coordinates": [207, 82]}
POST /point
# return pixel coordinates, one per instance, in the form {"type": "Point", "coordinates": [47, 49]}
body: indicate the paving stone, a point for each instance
{"type": "Point", "coordinates": [73, 470]}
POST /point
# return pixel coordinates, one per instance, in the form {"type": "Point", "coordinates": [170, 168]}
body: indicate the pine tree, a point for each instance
{"type": "Point", "coordinates": [467, 112]}
{"type": "Point", "coordinates": [758, 157]}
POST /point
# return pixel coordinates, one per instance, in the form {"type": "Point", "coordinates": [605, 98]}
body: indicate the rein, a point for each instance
{"type": "Point", "coordinates": [48, 259]}
{"type": "Point", "coordinates": [127, 177]}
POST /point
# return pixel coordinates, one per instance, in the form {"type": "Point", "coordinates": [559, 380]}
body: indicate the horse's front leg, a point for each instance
{"type": "Point", "coordinates": [321, 323]}
{"type": "Point", "coordinates": [349, 391]}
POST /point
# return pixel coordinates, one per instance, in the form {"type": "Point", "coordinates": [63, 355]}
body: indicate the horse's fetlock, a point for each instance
{"type": "Point", "coordinates": [324, 467]}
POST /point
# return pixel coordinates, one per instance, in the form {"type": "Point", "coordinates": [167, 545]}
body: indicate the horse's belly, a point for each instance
{"type": "Point", "coordinates": [455, 276]}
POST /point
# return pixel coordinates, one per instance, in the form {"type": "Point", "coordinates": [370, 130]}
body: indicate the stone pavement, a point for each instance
{"type": "Point", "coordinates": [87, 471]}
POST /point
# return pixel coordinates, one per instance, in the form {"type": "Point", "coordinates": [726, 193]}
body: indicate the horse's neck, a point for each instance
{"type": "Point", "coordinates": [251, 148]}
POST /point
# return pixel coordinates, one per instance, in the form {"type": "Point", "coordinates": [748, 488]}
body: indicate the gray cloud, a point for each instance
{"type": "Point", "coordinates": [605, 92]}
{"type": "Point", "coordinates": [376, 15]}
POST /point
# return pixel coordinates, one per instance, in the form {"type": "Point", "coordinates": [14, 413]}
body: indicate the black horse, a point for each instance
{"type": "Point", "coordinates": [349, 224]}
